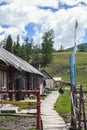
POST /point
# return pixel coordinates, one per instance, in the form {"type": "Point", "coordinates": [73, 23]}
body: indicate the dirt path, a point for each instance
{"type": "Point", "coordinates": [17, 123]}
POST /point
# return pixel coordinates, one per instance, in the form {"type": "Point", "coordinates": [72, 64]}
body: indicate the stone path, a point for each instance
{"type": "Point", "coordinates": [50, 118]}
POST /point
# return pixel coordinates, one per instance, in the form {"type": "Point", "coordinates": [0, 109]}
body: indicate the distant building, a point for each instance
{"type": "Point", "coordinates": [48, 79]}
{"type": "Point", "coordinates": [57, 80]}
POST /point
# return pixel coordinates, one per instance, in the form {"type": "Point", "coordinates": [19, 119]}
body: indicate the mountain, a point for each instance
{"type": "Point", "coordinates": [80, 47]}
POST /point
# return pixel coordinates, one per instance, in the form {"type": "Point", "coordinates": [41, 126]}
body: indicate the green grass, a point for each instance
{"type": "Point", "coordinates": [23, 107]}
{"type": "Point", "coordinates": [32, 129]}
{"type": "Point", "coordinates": [4, 117]}
{"type": "Point", "coordinates": [60, 66]}
{"type": "Point", "coordinates": [63, 104]}
{"type": "Point", "coordinates": [11, 129]}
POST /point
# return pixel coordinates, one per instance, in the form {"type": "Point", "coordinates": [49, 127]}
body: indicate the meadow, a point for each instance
{"type": "Point", "coordinates": [60, 66]}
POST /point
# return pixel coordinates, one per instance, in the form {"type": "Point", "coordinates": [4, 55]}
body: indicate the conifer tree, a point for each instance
{"type": "Point", "coordinates": [47, 46]}
{"type": "Point", "coordinates": [9, 43]}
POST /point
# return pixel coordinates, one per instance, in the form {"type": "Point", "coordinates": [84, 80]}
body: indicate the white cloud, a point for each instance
{"type": "Point", "coordinates": [63, 23]}
{"type": "Point", "coordinates": [72, 2]}
{"type": "Point", "coordinates": [18, 14]}
{"type": "Point", "coordinates": [29, 3]}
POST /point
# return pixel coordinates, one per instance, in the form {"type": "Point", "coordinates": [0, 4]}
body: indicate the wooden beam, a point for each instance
{"type": "Point", "coordinates": [20, 103]}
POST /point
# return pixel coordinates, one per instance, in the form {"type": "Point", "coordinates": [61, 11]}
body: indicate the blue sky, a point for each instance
{"type": "Point", "coordinates": [32, 18]}
{"type": "Point", "coordinates": [30, 30]}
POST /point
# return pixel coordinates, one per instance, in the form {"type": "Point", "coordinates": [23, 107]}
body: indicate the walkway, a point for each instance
{"type": "Point", "coordinates": [50, 118]}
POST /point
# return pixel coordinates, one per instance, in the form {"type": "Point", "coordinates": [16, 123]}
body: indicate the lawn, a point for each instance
{"type": "Point", "coordinates": [60, 66]}
{"type": "Point", "coordinates": [63, 104]}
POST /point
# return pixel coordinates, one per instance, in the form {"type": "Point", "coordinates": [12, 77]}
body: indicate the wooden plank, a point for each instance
{"type": "Point", "coordinates": [77, 110]}
{"type": "Point", "coordinates": [79, 97]}
{"type": "Point", "coordinates": [22, 91]}
{"type": "Point", "coordinates": [30, 115]}
{"type": "Point", "coordinates": [20, 103]}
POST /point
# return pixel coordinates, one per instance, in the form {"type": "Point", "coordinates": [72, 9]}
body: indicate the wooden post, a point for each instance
{"type": "Point", "coordinates": [84, 115]}
{"type": "Point", "coordinates": [38, 107]}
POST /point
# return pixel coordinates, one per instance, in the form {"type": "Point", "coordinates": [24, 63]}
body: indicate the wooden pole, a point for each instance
{"type": "Point", "coordinates": [38, 107]}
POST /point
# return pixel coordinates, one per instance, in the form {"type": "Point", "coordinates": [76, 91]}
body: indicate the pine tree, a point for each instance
{"type": "Point", "coordinates": [23, 52]}
{"type": "Point", "coordinates": [17, 47]}
{"type": "Point", "coordinates": [9, 43]}
{"type": "Point", "coordinates": [47, 46]}
{"type": "Point", "coordinates": [36, 56]}
{"type": "Point", "coordinates": [28, 45]}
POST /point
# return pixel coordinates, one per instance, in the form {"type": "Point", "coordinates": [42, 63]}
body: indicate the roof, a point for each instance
{"type": "Point", "coordinates": [17, 62]}
{"type": "Point", "coordinates": [47, 75]}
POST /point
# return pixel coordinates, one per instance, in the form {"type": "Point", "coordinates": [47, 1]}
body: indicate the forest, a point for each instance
{"type": "Point", "coordinates": [37, 55]}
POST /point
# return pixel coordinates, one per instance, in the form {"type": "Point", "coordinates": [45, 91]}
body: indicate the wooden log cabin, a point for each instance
{"type": "Point", "coordinates": [16, 74]}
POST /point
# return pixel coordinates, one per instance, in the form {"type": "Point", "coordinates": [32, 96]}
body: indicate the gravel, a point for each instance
{"type": "Point", "coordinates": [17, 123]}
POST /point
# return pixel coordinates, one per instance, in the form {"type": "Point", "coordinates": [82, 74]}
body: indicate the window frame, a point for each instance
{"type": "Point", "coordinates": [3, 80]}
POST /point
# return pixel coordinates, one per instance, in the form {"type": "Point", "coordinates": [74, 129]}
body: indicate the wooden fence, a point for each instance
{"type": "Point", "coordinates": [78, 116]}
{"type": "Point", "coordinates": [37, 104]}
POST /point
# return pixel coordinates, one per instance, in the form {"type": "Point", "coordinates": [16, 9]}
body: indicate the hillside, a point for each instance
{"type": "Point", "coordinates": [60, 66]}
{"type": "Point", "coordinates": [82, 45]}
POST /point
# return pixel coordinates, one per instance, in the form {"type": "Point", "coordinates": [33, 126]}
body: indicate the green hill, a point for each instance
{"type": "Point", "coordinates": [82, 46]}
{"type": "Point", "coordinates": [60, 66]}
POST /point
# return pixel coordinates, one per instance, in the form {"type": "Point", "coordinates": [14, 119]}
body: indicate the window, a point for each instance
{"type": "Point", "coordinates": [3, 79]}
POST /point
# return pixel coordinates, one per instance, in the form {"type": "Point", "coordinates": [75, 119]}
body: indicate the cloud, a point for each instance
{"type": "Point", "coordinates": [16, 15]}
{"type": "Point", "coordinates": [73, 2]}
{"type": "Point", "coordinates": [63, 24]}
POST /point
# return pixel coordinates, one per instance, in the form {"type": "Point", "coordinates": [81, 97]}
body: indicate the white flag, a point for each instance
{"type": "Point", "coordinates": [75, 47]}
{"type": "Point", "coordinates": [76, 24]}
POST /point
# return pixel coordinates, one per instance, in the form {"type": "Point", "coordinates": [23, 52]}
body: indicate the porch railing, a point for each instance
{"type": "Point", "coordinates": [37, 103]}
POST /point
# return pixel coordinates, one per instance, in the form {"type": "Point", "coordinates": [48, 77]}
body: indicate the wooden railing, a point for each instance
{"type": "Point", "coordinates": [78, 117]}
{"type": "Point", "coordinates": [37, 103]}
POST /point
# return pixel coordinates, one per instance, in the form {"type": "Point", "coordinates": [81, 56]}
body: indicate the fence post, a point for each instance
{"type": "Point", "coordinates": [38, 107]}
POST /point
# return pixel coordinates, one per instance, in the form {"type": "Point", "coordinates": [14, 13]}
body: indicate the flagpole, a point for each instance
{"type": "Point", "coordinates": [76, 25]}
{"type": "Point", "coordinates": [75, 41]}
{"type": "Point", "coordinates": [75, 31]}
{"type": "Point", "coordinates": [73, 72]}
